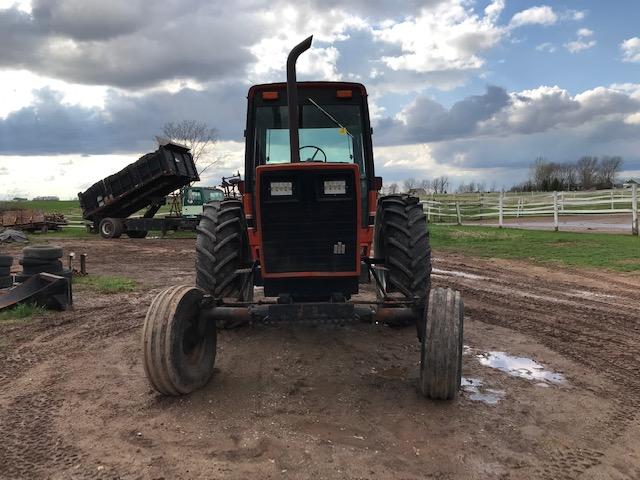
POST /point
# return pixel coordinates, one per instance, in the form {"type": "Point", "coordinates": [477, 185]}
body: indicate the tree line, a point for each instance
{"type": "Point", "coordinates": [586, 173]}
{"type": "Point", "coordinates": [436, 185]}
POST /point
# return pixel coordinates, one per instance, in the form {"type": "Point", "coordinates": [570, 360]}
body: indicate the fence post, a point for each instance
{"type": "Point", "coordinates": [428, 211]}
{"type": "Point", "coordinates": [562, 201]}
{"type": "Point", "coordinates": [611, 199]}
{"type": "Point", "coordinates": [458, 213]}
{"type": "Point", "coordinates": [555, 211]}
{"type": "Point", "coordinates": [500, 210]}
{"type": "Point", "coordinates": [634, 209]}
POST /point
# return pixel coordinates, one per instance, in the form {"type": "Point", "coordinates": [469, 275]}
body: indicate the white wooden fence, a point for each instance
{"type": "Point", "coordinates": [469, 208]}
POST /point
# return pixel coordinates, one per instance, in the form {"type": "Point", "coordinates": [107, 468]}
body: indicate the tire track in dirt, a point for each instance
{"type": "Point", "coordinates": [603, 336]}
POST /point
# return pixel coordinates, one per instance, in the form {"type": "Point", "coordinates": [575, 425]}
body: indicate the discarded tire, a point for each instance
{"type": "Point", "coordinates": [51, 267]}
{"type": "Point", "coordinates": [179, 348]}
{"type": "Point", "coordinates": [35, 262]}
{"type": "Point", "coordinates": [402, 238]}
{"type": "Point", "coordinates": [44, 252]}
{"type": "Point", "coordinates": [6, 282]}
{"type": "Point", "coordinates": [5, 271]}
{"type": "Point", "coordinates": [6, 260]}
{"type": "Point", "coordinates": [111, 227]}
{"type": "Point", "coordinates": [441, 349]}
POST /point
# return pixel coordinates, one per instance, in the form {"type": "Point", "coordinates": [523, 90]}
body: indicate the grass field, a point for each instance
{"type": "Point", "coordinates": [106, 285]}
{"type": "Point", "coordinates": [69, 208]}
{"type": "Point", "coordinates": [19, 312]}
{"type": "Point", "coordinates": [594, 250]}
{"type": "Point", "coordinates": [614, 252]}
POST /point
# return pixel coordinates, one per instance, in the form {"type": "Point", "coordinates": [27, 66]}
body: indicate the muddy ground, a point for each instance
{"type": "Point", "coordinates": [601, 223]}
{"type": "Point", "coordinates": [330, 402]}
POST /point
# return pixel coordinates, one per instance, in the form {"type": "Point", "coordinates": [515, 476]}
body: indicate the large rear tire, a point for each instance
{"type": "Point", "coordinates": [402, 239]}
{"type": "Point", "coordinates": [179, 347]}
{"type": "Point", "coordinates": [441, 352]}
{"type": "Point", "coordinates": [222, 248]}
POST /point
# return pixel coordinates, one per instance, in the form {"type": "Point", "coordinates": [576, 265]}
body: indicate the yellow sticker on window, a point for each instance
{"type": "Point", "coordinates": [342, 131]}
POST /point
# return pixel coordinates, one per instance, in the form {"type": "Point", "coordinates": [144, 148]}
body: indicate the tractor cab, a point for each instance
{"type": "Point", "coordinates": [193, 199]}
{"type": "Point", "coordinates": [309, 202]}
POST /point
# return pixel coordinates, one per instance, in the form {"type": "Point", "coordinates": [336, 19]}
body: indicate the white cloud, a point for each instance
{"type": "Point", "coordinates": [633, 119]}
{"type": "Point", "coordinates": [546, 47]}
{"type": "Point", "coordinates": [447, 37]}
{"type": "Point", "coordinates": [576, 46]}
{"type": "Point", "coordinates": [582, 41]}
{"type": "Point", "coordinates": [541, 15]}
{"type": "Point", "coordinates": [578, 14]}
{"type": "Point", "coordinates": [548, 108]}
{"type": "Point", "coordinates": [631, 50]}
{"type": "Point", "coordinates": [17, 87]}
{"type": "Point", "coordinates": [21, 5]}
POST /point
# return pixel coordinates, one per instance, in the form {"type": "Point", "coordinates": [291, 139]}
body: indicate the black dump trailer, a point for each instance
{"type": "Point", "coordinates": [107, 205]}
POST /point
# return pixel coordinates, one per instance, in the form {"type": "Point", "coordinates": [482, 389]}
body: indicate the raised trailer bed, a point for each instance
{"type": "Point", "coordinates": [109, 204]}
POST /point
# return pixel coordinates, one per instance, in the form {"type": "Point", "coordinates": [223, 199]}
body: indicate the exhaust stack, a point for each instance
{"type": "Point", "coordinates": [292, 97]}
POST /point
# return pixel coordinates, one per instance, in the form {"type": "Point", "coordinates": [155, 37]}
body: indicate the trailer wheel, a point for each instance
{"type": "Point", "coordinates": [222, 248]}
{"type": "Point", "coordinates": [179, 347]}
{"type": "Point", "coordinates": [441, 352]}
{"type": "Point", "coordinates": [111, 227]}
{"type": "Point", "coordinates": [137, 233]}
{"type": "Point", "coordinates": [401, 238]}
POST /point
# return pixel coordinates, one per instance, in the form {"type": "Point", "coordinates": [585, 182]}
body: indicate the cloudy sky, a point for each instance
{"type": "Point", "coordinates": [472, 89]}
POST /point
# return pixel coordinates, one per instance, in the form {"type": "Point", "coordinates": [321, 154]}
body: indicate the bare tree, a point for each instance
{"type": "Point", "coordinates": [587, 168]}
{"type": "Point", "coordinates": [608, 170]}
{"type": "Point", "coordinates": [198, 136]}
{"type": "Point", "coordinates": [569, 175]}
{"type": "Point", "coordinates": [410, 184]}
{"type": "Point", "coordinates": [393, 188]}
{"type": "Point", "coordinates": [440, 184]}
{"type": "Point", "coordinates": [425, 184]}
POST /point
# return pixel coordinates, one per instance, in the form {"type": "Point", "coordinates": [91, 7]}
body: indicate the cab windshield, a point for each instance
{"type": "Point", "coordinates": [328, 133]}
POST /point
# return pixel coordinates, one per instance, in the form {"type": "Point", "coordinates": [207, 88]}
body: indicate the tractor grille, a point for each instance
{"type": "Point", "coordinates": [309, 231]}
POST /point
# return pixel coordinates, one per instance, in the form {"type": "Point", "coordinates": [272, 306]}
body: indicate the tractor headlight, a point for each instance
{"type": "Point", "coordinates": [335, 187]}
{"type": "Point", "coordinates": [281, 189]}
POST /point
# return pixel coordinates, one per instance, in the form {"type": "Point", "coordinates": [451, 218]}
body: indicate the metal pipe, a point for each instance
{"type": "Point", "coordinates": [83, 263]}
{"type": "Point", "coordinates": [261, 312]}
{"type": "Point", "coordinates": [292, 97]}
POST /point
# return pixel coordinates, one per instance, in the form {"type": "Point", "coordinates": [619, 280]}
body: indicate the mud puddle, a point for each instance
{"type": "Point", "coordinates": [477, 392]}
{"type": "Point", "coordinates": [520, 367]}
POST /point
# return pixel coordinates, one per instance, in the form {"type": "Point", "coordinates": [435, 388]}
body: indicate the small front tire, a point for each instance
{"type": "Point", "coordinates": [179, 346]}
{"type": "Point", "coordinates": [441, 352]}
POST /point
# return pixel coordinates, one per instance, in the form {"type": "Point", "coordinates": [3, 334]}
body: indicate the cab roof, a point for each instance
{"type": "Point", "coordinates": [323, 85]}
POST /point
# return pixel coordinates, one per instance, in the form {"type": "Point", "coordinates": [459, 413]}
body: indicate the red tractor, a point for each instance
{"type": "Point", "coordinates": [309, 227]}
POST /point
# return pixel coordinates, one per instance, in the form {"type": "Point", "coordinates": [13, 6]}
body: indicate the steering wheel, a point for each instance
{"type": "Point", "coordinates": [318, 150]}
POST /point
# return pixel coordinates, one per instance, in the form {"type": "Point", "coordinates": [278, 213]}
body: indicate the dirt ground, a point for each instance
{"type": "Point", "coordinates": [330, 402]}
{"type": "Point", "coordinates": [603, 223]}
